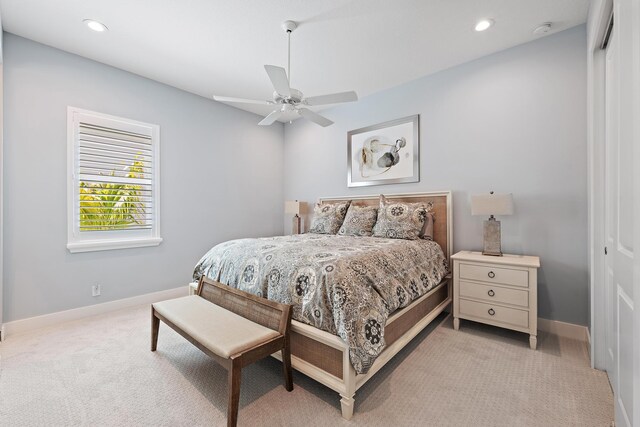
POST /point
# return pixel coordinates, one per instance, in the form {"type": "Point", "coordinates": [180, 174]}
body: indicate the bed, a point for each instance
{"type": "Point", "coordinates": [357, 301]}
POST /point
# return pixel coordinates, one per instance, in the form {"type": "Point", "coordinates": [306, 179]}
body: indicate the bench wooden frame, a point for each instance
{"type": "Point", "coordinates": [267, 313]}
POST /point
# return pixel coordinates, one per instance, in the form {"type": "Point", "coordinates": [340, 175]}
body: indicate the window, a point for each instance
{"type": "Point", "coordinates": [113, 190]}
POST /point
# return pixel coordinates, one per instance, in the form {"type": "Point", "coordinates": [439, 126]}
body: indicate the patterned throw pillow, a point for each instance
{"type": "Point", "coordinates": [328, 217]}
{"type": "Point", "coordinates": [359, 221]}
{"type": "Point", "coordinates": [398, 220]}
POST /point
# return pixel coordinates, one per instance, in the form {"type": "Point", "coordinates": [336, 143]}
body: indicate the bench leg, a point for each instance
{"type": "Point", "coordinates": [286, 367]}
{"type": "Point", "coordinates": [235, 375]}
{"type": "Point", "coordinates": [155, 325]}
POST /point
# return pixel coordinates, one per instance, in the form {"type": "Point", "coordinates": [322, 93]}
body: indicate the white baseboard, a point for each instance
{"type": "Point", "coordinates": [565, 330]}
{"type": "Point", "coordinates": [32, 323]}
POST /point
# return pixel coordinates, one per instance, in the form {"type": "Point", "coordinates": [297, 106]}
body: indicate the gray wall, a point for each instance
{"type": "Point", "coordinates": [514, 121]}
{"type": "Point", "coordinates": [221, 179]}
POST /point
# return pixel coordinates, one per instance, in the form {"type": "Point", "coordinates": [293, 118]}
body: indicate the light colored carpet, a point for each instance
{"type": "Point", "coordinates": [100, 372]}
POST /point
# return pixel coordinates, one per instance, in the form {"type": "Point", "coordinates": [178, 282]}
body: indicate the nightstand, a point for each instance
{"type": "Point", "coordinates": [499, 291]}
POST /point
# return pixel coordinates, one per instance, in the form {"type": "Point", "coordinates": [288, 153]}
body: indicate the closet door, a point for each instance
{"type": "Point", "coordinates": [619, 234]}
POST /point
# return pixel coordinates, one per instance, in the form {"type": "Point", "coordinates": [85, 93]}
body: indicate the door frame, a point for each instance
{"type": "Point", "coordinates": [635, 17]}
{"type": "Point", "coordinates": [1, 180]}
{"type": "Point", "coordinates": [597, 24]}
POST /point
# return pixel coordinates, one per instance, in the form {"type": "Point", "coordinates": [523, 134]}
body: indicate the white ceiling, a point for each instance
{"type": "Point", "coordinates": [220, 46]}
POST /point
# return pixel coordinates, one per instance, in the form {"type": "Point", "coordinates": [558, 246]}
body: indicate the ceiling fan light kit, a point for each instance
{"type": "Point", "coordinates": [287, 99]}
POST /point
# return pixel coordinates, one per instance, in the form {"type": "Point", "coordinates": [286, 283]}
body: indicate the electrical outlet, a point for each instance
{"type": "Point", "coordinates": [95, 290]}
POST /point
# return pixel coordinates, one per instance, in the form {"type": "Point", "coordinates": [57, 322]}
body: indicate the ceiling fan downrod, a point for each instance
{"type": "Point", "coordinates": [289, 57]}
{"type": "Point", "coordinates": [288, 27]}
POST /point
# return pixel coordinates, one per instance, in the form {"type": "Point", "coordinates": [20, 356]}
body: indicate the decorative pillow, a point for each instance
{"type": "Point", "coordinates": [359, 221]}
{"type": "Point", "coordinates": [328, 217]}
{"type": "Point", "coordinates": [398, 220]}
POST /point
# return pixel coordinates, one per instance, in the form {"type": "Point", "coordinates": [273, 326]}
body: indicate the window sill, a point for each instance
{"type": "Point", "coordinates": [106, 245]}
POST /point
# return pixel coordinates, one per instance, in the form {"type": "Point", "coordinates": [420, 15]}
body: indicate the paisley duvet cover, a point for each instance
{"type": "Point", "coordinates": [345, 285]}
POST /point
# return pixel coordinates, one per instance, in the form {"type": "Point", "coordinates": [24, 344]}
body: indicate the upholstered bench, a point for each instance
{"type": "Point", "coordinates": [233, 327]}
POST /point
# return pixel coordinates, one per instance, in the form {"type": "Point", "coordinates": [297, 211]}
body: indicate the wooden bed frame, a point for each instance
{"type": "Point", "coordinates": [325, 357]}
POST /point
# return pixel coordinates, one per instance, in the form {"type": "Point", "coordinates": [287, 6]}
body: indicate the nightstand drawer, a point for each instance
{"type": "Point", "coordinates": [496, 313]}
{"type": "Point", "coordinates": [494, 294]}
{"type": "Point", "coordinates": [506, 276]}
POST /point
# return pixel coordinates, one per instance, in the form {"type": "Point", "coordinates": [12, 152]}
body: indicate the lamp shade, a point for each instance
{"type": "Point", "coordinates": [492, 204]}
{"type": "Point", "coordinates": [292, 207]}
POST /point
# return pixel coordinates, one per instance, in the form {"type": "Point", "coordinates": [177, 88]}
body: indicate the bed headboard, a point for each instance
{"type": "Point", "coordinates": [442, 211]}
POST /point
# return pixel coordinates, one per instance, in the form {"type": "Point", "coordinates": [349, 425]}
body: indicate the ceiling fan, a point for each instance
{"type": "Point", "coordinates": [287, 99]}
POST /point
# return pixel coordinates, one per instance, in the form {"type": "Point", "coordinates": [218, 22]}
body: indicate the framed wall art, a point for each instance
{"type": "Point", "coordinates": [386, 153]}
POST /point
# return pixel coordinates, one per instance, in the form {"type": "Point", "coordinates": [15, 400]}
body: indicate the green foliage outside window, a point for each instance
{"type": "Point", "coordinates": [110, 205]}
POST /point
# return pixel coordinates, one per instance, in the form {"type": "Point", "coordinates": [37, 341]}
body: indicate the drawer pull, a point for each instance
{"type": "Point", "coordinates": [491, 293]}
{"type": "Point", "coordinates": [491, 312]}
{"type": "Point", "coordinates": [491, 274]}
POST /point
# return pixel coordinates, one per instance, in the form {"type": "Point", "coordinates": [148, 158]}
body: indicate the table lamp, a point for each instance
{"type": "Point", "coordinates": [492, 204]}
{"type": "Point", "coordinates": [293, 207]}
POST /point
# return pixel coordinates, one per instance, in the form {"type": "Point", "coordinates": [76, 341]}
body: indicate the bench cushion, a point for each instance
{"type": "Point", "coordinates": [219, 330]}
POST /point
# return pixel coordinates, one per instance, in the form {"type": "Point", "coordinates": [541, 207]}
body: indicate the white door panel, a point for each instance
{"type": "Point", "coordinates": [611, 132]}
{"type": "Point", "coordinates": [610, 299]}
{"type": "Point", "coordinates": [624, 398]}
{"type": "Point", "coordinates": [619, 224]}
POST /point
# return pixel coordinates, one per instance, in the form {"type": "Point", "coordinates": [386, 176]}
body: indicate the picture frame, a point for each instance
{"type": "Point", "coordinates": [386, 153]}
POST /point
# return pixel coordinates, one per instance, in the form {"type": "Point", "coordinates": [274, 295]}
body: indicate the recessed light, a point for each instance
{"type": "Point", "coordinates": [95, 25]}
{"type": "Point", "coordinates": [484, 24]}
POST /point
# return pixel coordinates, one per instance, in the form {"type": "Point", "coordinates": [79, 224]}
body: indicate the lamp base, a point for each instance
{"type": "Point", "coordinates": [295, 226]}
{"type": "Point", "coordinates": [492, 245]}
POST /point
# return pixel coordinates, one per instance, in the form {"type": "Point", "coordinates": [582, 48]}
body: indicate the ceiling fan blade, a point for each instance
{"type": "Point", "coordinates": [241, 100]}
{"type": "Point", "coordinates": [275, 115]}
{"type": "Point", "coordinates": [314, 117]}
{"type": "Point", "coordinates": [333, 98]}
{"type": "Point", "coordinates": [279, 79]}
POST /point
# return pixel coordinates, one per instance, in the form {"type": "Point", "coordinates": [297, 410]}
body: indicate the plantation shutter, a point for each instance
{"type": "Point", "coordinates": [113, 192]}
{"type": "Point", "coordinates": [115, 189]}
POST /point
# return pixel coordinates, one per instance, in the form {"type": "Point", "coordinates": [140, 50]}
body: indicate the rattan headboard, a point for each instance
{"type": "Point", "coordinates": [442, 212]}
